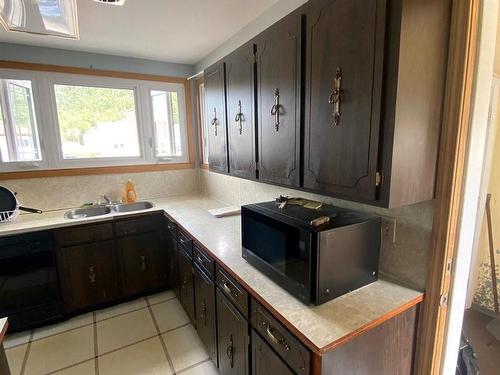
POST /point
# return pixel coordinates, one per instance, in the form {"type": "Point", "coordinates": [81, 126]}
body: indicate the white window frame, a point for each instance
{"type": "Point", "coordinates": [48, 121]}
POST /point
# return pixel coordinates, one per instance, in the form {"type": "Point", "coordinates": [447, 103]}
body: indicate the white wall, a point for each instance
{"type": "Point", "coordinates": [269, 17]}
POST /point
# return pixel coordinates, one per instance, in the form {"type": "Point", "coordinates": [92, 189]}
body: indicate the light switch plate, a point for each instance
{"type": "Point", "coordinates": [389, 228]}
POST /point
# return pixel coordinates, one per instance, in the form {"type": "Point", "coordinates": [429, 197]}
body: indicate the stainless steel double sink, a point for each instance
{"type": "Point", "coordinates": [91, 211]}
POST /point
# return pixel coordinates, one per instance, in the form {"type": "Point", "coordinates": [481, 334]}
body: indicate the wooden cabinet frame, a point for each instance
{"type": "Point", "coordinates": [450, 180]}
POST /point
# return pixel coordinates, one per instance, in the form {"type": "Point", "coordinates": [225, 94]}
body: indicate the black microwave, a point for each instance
{"type": "Point", "coordinates": [315, 263]}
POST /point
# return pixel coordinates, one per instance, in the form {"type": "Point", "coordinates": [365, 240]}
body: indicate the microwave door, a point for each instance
{"type": "Point", "coordinates": [279, 250]}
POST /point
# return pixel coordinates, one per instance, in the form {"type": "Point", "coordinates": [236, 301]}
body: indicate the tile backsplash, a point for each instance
{"type": "Point", "coordinates": [67, 192]}
{"type": "Point", "coordinates": [405, 260]}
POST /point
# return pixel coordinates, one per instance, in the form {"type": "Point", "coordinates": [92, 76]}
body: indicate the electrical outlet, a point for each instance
{"type": "Point", "coordinates": [389, 228]}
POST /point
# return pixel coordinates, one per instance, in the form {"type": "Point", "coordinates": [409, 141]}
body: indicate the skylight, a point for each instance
{"type": "Point", "coordinates": [43, 17]}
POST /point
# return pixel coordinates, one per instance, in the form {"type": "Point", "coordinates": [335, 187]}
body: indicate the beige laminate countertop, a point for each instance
{"type": "Point", "coordinates": [321, 328]}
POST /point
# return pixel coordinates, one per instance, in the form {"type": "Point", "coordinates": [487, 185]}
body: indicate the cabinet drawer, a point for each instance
{"type": "Point", "coordinates": [137, 225]}
{"type": "Point", "coordinates": [84, 234]}
{"type": "Point", "coordinates": [233, 290]}
{"type": "Point", "coordinates": [205, 262]}
{"type": "Point", "coordinates": [280, 339]}
{"type": "Point", "coordinates": [185, 242]}
{"type": "Point", "coordinates": [172, 228]}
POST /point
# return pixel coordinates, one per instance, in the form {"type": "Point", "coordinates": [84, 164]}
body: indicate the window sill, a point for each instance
{"type": "Point", "coordinates": [94, 171]}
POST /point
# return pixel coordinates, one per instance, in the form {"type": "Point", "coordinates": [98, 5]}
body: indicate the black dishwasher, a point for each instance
{"type": "Point", "coordinates": [29, 287]}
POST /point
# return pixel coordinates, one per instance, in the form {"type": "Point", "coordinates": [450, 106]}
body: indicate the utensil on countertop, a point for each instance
{"type": "Point", "coordinates": [10, 207]}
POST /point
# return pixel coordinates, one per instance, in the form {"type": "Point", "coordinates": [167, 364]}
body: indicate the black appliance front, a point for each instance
{"type": "Point", "coordinates": [279, 250]}
{"type": "Point", "coordinates": [29, 287]}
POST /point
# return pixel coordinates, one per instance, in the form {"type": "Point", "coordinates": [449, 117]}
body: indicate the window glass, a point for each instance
{"type": "Point", "coordinates": [96, 122]}
{"type": "Point", "coordinates": [166, 123]}
{"type": "Point", "coordinates": [18, 129]}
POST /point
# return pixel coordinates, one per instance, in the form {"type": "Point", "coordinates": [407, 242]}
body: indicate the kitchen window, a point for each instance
{"type": "Point", "coordinates": [56, 120]}
{"type": "Point", "coordinates": [19, 141]}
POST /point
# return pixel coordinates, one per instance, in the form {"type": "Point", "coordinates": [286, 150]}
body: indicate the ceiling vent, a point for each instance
{"type": "Point", "coordinates": [113, 2]}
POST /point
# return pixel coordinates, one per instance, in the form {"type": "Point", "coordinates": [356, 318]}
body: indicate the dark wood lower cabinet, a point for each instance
{"type": "Point", "coordinates": [205, 312]}
{"type": "Point", "coordinates": [232, 338]}
{"type": "Point", "coordinates": [88, 275]}
{"type": "Point", "coordinates": [264, 360]}
{"type": "Point", "coordinates": [171, 248]}
{"type": "Point", "coordinates": [144, 262]}
{"type": "Point", "coordinates": [186, 292]}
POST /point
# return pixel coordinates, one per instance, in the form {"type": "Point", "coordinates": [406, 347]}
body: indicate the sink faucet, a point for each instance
{"type": "Point", "coordinates": [105, 198]}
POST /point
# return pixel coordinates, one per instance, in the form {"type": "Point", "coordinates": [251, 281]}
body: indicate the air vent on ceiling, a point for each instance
{"type": "Point", "coordinates": [113, 2]}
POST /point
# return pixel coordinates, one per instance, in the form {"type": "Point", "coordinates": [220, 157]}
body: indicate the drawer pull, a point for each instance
{"type": "Point", "coordinates": [143, 263]}
{"type": "Point", "coordinates": [170, 226]}
{"type": "Point", "coordinates": [228, 290]}
{"type": "Point", "coordinates": [335, 97]}
{"type": "Point", "coordinates": [230, 351]}
{"type": "Point", "coordinates": [273, 338]}
{"type": "Point", "coordinates": [202, 261]}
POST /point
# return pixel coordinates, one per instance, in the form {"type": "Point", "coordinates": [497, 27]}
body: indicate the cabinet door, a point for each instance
{"type": "Point", "coordinates": [215, 109]}
{"type": "Point", "coordinates": [232, 338]}
{"type": "Point", "coordinates": [144, 262]}
{"type": "Point", "coordinates": [241, 111]}
{"type": "Point", "coordinates": [204, 291]}
{"type": "Point", "coordinates": [265, 360]}
{"type": "Point", "coordinates": [186, 284]}
{"type": "Point", "coordinates": [88, 276]}
{"type": "Point", "coordinates": [172, 268]}
{"type": "Point", "coordinates": [278, 57]}
{"type": "Point", "coordinates": [345, 44]}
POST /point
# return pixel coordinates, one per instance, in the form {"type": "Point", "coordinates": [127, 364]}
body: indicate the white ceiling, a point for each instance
{"type": "Point", "coordinates": [182, 31]}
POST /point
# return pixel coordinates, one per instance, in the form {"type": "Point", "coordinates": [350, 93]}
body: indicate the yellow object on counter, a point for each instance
{"type": "Point", "coordinates": [130, 194]}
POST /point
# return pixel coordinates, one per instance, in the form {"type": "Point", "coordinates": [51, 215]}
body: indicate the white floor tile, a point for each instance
{"type": "Point", "coordinates": [160, 297]}
{"type": "Point", "coordinates": [144, 358]}
{"type": "Point", "coordinates": [184, 347]}
{"type": "Point", "coordinates": [121, 309]}
{"type": "Point", "coordinates": [169, 315]}
{"type": "Point", "coordinates": [16, 339]}
{"type": "Point", "coordinates": [76, 322]}
{"type": "Point", "coordinates": [206, 368]}
{"type": "Point", "coordinates": [15, 358]}
{"type": "Point", "coordinates": [85, 368]}
{"type": "Point", "coordinates": [60, 351]}
{"type": "Point", "coordinates": [123, 330]}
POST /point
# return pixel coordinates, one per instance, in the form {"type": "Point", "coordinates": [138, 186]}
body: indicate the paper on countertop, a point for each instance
{"type": "Point", "coordinates": [225, 211]}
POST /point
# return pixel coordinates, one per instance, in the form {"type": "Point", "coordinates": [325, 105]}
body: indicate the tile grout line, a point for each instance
{"type": "Point", "coordinates": [193, 366]}
{"type": "Point", "coordinates": [32, 332]}
{"type": "Point", "coordinates": [69, 366]}
{"type": "Point", "coordinates": [96, 348]}
{"type": "Point", "coordinates": [162, 342]}
{"type": "Point", "coordinates": [25, 359]}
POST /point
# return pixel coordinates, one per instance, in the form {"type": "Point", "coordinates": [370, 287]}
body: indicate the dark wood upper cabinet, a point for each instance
{"type": "Point", "coordinates": [232, 338]}
{"type": "Point", "coordinates": [278, 59]}
{"type": "Point", "coordinates": [215, 109]}
{"type": "Point", "coordinates": [344, 67]}
{"type": "Point", "coordinates": [205, 312]}
{"type": "Point", "coordinates": [240, 101]}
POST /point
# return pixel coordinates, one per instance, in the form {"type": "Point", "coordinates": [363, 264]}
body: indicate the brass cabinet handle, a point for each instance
{"type": "Point", "coordinates": [143, 263]}
{"type": "Point", "coordinates": [92, 274]}
{"type": "Point", "coordinates": [230, 351]}
{"type": "Point", "coordinates": [335, 96]}
{"type": "Point", "coordinates": [280, 341]}
{"type": "Point", "coordinates": [275, 109]}
{"type": "Point", "coordinates": [239, 118]}
{"type": "Point", "coordinates": [215, 121]}
{"type": "Point", "coordinates": [229, 290]}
